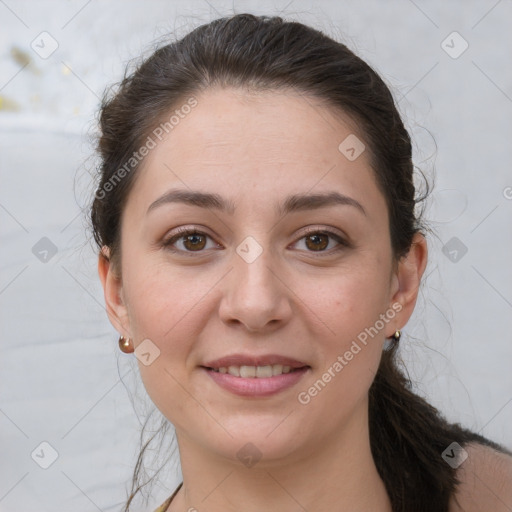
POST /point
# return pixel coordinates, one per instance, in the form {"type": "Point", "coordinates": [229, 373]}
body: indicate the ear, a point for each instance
{"type": "Point", "coordinates": [406, 280]}
{"type": "Point", "coordinates": [113, 292]}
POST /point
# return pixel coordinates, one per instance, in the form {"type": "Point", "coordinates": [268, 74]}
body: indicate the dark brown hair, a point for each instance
{"type": "Point", "coordinates": [407, 435]}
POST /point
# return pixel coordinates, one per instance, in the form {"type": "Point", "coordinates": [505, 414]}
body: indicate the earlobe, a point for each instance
{"type": "Point", "coordinates": [112, 290]}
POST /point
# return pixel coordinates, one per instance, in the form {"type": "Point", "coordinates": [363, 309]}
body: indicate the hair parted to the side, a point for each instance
{"type": "Point", "coordinates": [407, 435]}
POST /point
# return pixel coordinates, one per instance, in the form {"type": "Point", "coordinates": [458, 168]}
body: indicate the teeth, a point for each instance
{"type": "Point", "coordinates": [277, 369]}
{"type": "Point", "coordinates": [263, 371]}
{"type": "Point", "coordinates": [255, 371]}
{"type": "Point", "coordinates": [247, 371]}
{"type": "Point", "coordinates": [234, 370]}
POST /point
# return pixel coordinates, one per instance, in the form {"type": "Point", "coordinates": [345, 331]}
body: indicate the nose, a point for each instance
{"type": "Point", "coordinates": [256, 294]}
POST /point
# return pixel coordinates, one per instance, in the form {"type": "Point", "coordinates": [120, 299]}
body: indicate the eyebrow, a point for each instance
{"type": "Point", "coordinates": [293, 203]}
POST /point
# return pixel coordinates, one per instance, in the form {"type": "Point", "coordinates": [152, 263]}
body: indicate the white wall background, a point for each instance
{"type": "Point", "coordinates": [60, 367]}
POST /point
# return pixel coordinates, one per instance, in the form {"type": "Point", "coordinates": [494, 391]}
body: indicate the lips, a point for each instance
{"type": "Point", "coordinates": [249, 376]}
{"type": "Point", "coordinates": [256, 387]}
{"type": "Point", "coordinates": [249, 360]}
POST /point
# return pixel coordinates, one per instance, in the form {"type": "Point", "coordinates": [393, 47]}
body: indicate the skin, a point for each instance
{"type": "Point", "coordinates": [486, 481]}
{"type": "Point", "coordinates": [256, 149]}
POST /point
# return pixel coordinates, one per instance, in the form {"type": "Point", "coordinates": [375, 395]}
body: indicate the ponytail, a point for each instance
{"type": "Point", "coordinates": [407, 439]}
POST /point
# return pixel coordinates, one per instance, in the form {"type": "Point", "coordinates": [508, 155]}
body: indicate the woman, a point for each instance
{"type": "Point", "coordinates": [260, 254]}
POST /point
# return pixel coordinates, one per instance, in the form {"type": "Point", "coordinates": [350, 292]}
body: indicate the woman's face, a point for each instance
{"type": "Point", "coordinates": [253, 282]}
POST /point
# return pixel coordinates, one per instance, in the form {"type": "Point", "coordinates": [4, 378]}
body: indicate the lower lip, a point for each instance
{"type": "Point", "coordinates": [254, 386]}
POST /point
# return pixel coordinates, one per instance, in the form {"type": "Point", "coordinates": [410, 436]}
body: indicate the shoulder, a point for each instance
{"type": "Point", "coordinates": [486, 481]}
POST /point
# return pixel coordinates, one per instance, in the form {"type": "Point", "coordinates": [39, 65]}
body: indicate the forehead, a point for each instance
{"type": "Point", "coordinates": [260, 145]}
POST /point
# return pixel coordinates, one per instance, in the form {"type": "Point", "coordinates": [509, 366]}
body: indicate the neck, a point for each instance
{"type": "Point", "coordinates": [339, 471]}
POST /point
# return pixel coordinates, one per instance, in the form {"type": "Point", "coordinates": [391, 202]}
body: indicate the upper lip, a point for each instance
{"type": "Point", "coordinates": [249, 360]}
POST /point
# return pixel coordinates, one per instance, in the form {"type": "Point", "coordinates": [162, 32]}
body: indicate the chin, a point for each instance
{"type": "Point", "coordinates": [256, 442]}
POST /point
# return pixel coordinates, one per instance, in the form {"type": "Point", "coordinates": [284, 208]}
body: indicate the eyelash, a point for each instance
{"type": "Point", "coordinates": [183, 232]}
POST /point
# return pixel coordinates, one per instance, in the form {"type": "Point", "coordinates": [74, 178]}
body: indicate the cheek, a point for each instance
{"type": "Point", "coordinates": [161, 299]}
{"type": "Point", "coordinates": [345, 302]}
{"type": "Point", "coordinates": [349, 306]}
{"type": "Point", "coordinates": [167, 310]}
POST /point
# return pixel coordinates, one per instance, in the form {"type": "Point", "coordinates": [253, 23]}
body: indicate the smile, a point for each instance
{"type": "Point", "coordinates": [256, 381]}
{"type": "Point", "coordinates": [257, 372]}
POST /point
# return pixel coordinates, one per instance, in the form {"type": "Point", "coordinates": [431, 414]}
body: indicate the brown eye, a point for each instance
{"type": "Point", "coordinates": [317, 242]}
{"type": "Point", "coordinates": [320, 241]}
{"type": "Point", "coordinates": [187, 241]}
{"type": "Point", "coordinates": [194, 241]}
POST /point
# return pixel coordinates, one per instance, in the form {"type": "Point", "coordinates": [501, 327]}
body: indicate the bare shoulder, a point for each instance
{"type": "Point", "coordinates": [486, 481]}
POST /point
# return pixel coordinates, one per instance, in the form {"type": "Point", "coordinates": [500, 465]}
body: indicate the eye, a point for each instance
{"type": "Point", "coordinates": [317, 240]}
{"type": "Point", "coordinates": [192, 239]}
{"type": "Point", "coordinates": [195, 241]}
